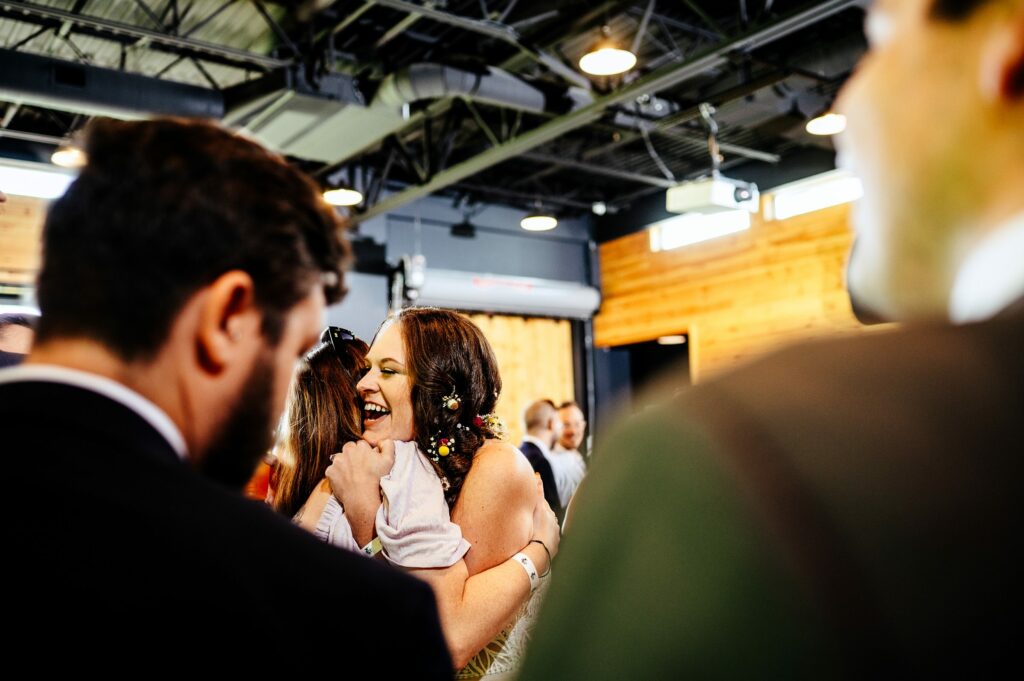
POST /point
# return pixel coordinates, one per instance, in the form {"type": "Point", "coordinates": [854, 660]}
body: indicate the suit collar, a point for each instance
{"type": "Point", "coordinates": [92, 414]}
{"type": "Point", "coordinates": [110, 389]}
{"type": "Point", "coordinates": [540, 444]}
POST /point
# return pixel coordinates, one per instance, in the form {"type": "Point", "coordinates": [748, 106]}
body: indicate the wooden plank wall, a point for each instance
{"type": "Point", "coordinates": [535, 359]}
{"type": "Point", "coordinates": [737, 296]}
{"type": "Point", "coordinates": [21, 228]}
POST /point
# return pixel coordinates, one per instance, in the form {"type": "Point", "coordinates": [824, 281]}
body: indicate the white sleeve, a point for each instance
{"type": "Point", "coordinates": [333, 527]}
{"type": "Point", "coordinates": [413, 523]}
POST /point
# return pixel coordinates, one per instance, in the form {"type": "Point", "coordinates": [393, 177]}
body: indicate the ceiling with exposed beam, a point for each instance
{"type": "Point", "coordinates": [481, 101]}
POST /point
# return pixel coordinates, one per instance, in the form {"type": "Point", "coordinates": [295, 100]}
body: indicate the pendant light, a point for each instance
{"type": "Point", "coordinates": [827, 123]}
{"type": "Point", "coordinates": [606, 57]}
{"type": "Point", "coordinates": [67, 156]}
{"type": "Point", "coordinates": [343, 196]}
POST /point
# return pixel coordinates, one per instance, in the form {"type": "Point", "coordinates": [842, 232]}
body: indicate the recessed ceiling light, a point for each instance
{"type": "Point", "coordinates": [672, 340]}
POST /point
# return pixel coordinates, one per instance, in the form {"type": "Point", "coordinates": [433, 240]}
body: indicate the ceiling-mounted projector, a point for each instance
{"type": "Point", "coordinates": [712, 195]}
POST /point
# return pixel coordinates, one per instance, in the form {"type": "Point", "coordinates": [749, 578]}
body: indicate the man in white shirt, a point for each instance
{"type": "Point", "coordinates": [566, 461]}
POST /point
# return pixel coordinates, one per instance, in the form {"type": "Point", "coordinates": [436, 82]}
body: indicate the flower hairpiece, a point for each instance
{"type": "Point", "coordinates": [451, 401]}
{"type": "Point", "coordinates": [440, 446]}
{"type": "Point", "coordinates": [492, 422]}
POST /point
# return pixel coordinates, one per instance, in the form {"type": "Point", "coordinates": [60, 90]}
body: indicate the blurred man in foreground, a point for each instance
{"type": "Point", "coordinates": [846, 508]}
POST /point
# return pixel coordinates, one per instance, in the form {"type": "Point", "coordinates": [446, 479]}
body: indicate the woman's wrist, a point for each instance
{"type": "Point", "coordinates": [539, 556]}
{"type": "Point", "coordinates": [532, 573]}
{"type": "Point", "coordinates": [547, 552]}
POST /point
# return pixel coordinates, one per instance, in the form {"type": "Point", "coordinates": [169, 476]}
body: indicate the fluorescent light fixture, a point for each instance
{"type": "Point", "coordinates": [538, 223]}
{"type": "Point", "coordinates": [607, 61]}
{"type": "Point", "coordinates": [827, 124]}
{"type": "Point", "coordinates": [693, 228]}
{"type": "Point", "coordinates": [33, 179]}
{"type": "Point", "coordinates": [672, 340]}
{"type": "Point", "coordinates": [68, 157]}
{"type": "Point", "coordinates": [815, 193]}
{"type": "Point", "coordinates": [14, 308]}
{"type": "Point", "coordinates": [343, 197]}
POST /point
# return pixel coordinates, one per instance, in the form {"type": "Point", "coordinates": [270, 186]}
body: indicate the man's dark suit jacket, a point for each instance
{"type": "Point", "coordinates": [118, 552]}
{"type": "Point", "coordinates": [541, 465]}
{"type": "Point", "coordinates": [848, 508]}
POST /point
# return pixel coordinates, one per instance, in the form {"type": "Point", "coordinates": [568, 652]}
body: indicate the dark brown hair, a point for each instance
{"type": "Point", "coordinates": [445, 351]}
{"type": "Point", "coordinates": [162, 209]}
{"type": "Point", "coordinates": [323, 414]}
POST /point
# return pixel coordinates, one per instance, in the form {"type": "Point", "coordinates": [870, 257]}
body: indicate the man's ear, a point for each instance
{"type": "Point", "coordinates": [228, 320]}
{"type": "Point", "coordinates": [1002, 63]}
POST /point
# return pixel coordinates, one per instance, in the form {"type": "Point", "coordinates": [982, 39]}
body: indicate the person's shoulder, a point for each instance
{"type": "Point", "coordinates": [497, 457]}
{"type": "Point", "coordinates": [500, 465]}
{"type": "Point", "coordinates": [852, 368]}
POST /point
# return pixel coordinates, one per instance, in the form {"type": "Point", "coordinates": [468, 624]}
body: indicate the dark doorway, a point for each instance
{"type": "Point", "coordinates": [624, 372]}
{"type": "Point", "coordinates": [665, 361]}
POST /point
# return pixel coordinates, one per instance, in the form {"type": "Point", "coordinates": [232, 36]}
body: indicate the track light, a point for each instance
{"type": "Point", "coordinates": [464, 230]}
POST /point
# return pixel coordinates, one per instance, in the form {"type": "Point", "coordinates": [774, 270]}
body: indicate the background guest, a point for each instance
{"type": "Point", "coordinates": [543, 428]}
{"type": "Point", "coordinates": [16, 336]}
{"type": "Point", "coordinates": [567, 461]}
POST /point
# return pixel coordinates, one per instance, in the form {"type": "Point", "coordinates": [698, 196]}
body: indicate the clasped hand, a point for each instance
{"type": "Point", "coordinates": [355, 475]}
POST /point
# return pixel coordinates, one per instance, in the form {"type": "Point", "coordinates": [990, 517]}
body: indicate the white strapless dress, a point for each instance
{"type": "Point", "coordinates": [503, 656]}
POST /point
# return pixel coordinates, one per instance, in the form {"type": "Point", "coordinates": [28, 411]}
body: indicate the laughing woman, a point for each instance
{"type": "Point", "coordinates": [430, 378]}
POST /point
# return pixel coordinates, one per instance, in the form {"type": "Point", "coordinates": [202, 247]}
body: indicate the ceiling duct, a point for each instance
{"type": "Point", "coordinates": [432, 81]}
{"type": "Point", "coordinates": [301, 121]}
{"type": "Point", "coordinates": [80, 88]}
{"type": "Point", "coordinates": [287, 112]}
{"type": "Point", "coordinates": [508, 295]}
